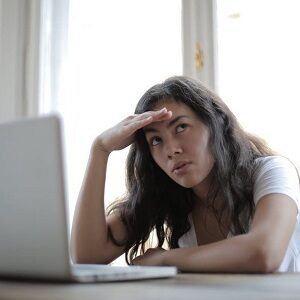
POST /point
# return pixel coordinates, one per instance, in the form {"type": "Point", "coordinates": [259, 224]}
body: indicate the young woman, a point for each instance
{"type": "Point", "coordinates": [216, 196]}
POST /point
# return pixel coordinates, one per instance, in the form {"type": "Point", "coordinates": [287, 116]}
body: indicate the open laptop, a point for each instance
{"type": "Point", "coordinates": [34, 235]}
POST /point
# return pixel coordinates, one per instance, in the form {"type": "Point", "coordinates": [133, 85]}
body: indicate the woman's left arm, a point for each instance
{"type": "Point", "coordinates": [259, 251]}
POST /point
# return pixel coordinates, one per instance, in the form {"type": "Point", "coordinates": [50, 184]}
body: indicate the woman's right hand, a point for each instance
{"type": "Point", "coordinates": [122, 135]}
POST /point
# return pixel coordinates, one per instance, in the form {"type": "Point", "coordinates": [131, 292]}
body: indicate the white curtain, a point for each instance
{"type": "Point", "coordinates": [33, 39]}
{"type": "Point", "coordinates": [53, 47]}
{"type": "Point", "coordinates": [13, 38]}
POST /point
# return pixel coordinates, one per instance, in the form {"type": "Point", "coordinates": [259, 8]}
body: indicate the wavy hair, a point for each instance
{"type": "Point", "coordinates": [154, 202]}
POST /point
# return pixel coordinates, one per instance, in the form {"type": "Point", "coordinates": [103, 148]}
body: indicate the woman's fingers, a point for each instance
{"type": "Point", "coordinates": [122, 134]}
{"type": "Point", "coordinates": [145, 119]}
{"type": "Point", "coordinates": [145, 115]}
{"type": "Point", "coordinates": [153, 113]}
{"type": "Point", "coordinates": [134, 125]}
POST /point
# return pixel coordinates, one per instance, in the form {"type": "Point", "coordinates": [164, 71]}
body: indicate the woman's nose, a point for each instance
{"type": "Point", "coordinates": [172, 149]}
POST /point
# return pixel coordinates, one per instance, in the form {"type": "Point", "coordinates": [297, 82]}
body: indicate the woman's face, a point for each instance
{"type": "Point", "coordinates": [180, 145]}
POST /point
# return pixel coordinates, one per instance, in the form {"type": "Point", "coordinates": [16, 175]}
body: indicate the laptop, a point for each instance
{"type": "Point", "coordinates": [34, 235]}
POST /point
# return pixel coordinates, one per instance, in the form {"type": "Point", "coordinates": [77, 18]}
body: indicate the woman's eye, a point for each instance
{"type": "Point", "coordinates": [155, 141]}
{"type": "Point", "coordinates": [181, 127]}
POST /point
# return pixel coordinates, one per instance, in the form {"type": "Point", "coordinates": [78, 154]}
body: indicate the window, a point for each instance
{"type": "Point", "coordinates": [116, 51]}
{"type": "Point", "coordinates": [258, 64]}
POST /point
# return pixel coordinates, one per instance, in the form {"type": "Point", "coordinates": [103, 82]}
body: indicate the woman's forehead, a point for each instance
{"type": "Point", "coordinates": [180, 111]}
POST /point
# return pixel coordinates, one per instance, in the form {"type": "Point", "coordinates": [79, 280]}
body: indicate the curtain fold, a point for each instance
{"type": "Point", "coordinates": [12, 61]}
{"type": "Point", "coordinates": [53, 41]}
{"type": "Point", "coordinates": [33, 39]}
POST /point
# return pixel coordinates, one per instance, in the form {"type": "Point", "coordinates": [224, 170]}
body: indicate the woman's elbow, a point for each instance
{"type": "Point", "coordinates": [268, 259]}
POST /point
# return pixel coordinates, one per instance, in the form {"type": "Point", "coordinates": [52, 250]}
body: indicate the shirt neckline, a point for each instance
{"type": "Point", "coordinates": [192, 232]}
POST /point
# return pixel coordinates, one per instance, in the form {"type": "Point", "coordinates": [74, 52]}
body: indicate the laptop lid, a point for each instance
{"type": "Point", "coordinates": [33, 222]}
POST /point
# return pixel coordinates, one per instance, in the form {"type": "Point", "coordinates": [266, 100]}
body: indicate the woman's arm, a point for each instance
{"type": "Point", "coordinates": [89, 230]}
{"type": "Point", "coordinates": [90, 242]}
{"type": "Point", "coordinates": [259, 251]}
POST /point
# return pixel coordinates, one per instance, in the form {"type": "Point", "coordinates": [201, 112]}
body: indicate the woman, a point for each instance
{"type": "Point", "coordinates": [216, 196]}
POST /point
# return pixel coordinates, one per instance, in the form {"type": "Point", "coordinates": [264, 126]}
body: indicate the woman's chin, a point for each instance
{"type": "Point", "coordinates": [187, 183]}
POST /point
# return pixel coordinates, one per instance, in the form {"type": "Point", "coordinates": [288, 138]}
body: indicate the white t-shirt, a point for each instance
{"type": "Point", "coordinates": [273, 174]}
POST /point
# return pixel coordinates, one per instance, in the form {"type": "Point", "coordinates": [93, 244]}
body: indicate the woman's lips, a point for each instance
{"type": "Point", "coordinates": [182, 169]}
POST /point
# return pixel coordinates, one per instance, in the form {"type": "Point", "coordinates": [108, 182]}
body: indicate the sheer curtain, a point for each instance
{"type": "Point", "coordinates": [33, 39]}
{"type": "Point", "coordinates": [54, 16]}
{"type": "Point", "coordinates": [19, 58]}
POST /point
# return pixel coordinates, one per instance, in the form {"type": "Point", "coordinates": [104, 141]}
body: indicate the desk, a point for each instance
{"type": "Point", "coordinates": [183, 286]}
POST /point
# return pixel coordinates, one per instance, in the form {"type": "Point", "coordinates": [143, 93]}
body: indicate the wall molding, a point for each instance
{"type": "Point", "coordinates": [199, 39]}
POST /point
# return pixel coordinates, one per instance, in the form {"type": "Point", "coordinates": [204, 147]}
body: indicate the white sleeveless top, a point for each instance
{"type": "Point", "coordinates": [274, 174]}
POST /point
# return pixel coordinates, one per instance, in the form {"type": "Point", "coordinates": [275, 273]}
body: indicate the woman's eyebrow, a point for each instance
{"type": "Point", "coordinates": [150, 129]}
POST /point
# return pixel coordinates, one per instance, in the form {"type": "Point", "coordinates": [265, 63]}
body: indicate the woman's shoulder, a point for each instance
{"type": "Point", "coordinates": [266, 163]}
{"type": "Point", "coordinates": [273, 158]}
{"type": "Point", "coordinates": [275, 174]}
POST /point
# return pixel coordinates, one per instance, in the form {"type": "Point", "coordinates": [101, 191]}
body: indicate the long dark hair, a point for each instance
{"type": "Point", "coordinates": [154, 202]}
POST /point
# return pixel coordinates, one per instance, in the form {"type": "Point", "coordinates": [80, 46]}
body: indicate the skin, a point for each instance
{"type": "Point", "coordinates": [185, 140]}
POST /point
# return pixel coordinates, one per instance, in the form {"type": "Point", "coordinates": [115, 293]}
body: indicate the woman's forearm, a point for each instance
{"type": "Point", "coordinates": [239, 254]}
{"type": "Point", "coordinates": [89, 230]}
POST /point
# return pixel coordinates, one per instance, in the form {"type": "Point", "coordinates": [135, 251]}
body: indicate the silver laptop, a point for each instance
{"type": "Point", "coordinates": [34, 235]}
